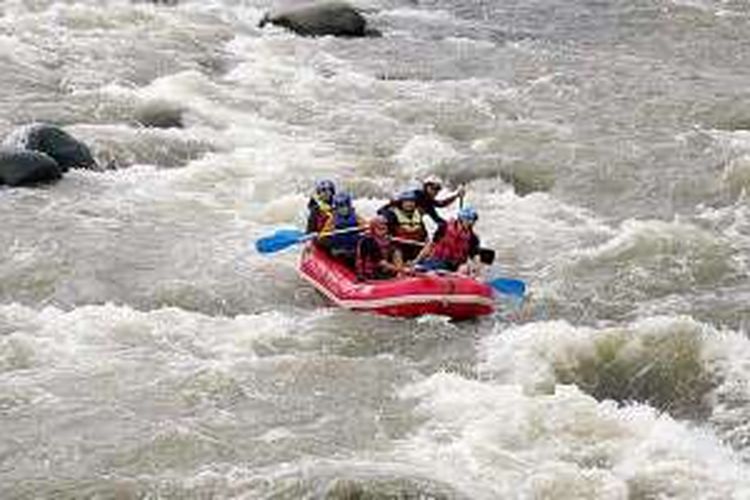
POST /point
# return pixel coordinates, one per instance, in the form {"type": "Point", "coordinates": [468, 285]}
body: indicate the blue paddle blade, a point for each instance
{"type": "Point", "coordinates": [508, 286]}
{"type": "Point", "coordinates": [279, 240]}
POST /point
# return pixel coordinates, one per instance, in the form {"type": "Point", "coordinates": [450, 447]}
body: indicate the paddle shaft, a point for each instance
{"type": "Point", "coordinates": [323, 234]}
{"type": "Point", "coordinates": [287, 237]}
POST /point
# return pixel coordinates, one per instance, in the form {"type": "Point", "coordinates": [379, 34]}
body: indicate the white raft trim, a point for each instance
{"type": "Point", "coordinates": [397, 301]}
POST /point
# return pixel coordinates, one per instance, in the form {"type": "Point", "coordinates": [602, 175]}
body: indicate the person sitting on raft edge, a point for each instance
{"type": "Point", "coordinates": [343, 246]}
{"type": "Point", "coordinates": [455, 246]}
{"type": "Point", "coordinates": [319, 207]}
{"type": "Point", "coordinates": [377, 257]}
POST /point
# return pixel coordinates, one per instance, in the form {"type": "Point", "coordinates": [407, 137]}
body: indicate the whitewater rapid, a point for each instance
{"type": "Point", "coordinates": [147, 351]}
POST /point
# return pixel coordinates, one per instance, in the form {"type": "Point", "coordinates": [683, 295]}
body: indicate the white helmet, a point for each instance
{"type": "Point", "coordinates": [433, 179]}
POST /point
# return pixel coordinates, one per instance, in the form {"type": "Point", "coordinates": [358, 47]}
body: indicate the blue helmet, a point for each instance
{"type": "Point", "coordinates": [410, 195]}
{"type": "Point", "coordinates": [342, 199]}
{"type": "Point", "coordinates": [468, 214]}
{"type": "Point", "coordinates": [325, 185]}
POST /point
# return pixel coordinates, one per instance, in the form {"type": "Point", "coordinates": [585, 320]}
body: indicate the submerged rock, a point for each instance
{"type": "Point", "coordinates": [331, 18]}
{"type": "Point", "coordinates": [21, 167]}
{"type": "Point", "coordinates": [67, 151]}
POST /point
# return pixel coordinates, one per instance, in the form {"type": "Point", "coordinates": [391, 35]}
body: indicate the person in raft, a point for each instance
{"type": "Point", "coordinates": [405, 225]}
{"type": "Point", "coordinates": [455, 246]}
{"type": "Point", "coordinates": [319, 207]}
{"type": "Point", "coordinates": [427, 201]}
{"type": "Point", "coordinates": [377, 257]}
{"type": "Point", "coordinates": [343, 246]}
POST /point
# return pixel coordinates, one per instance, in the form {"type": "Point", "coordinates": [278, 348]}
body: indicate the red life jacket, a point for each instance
{"type": "Point", "coordinates": [366, 265]}
{"type": "Point", "coordinates": [454, 246]}
{"type": "Point", "coordinates": [410, 226]}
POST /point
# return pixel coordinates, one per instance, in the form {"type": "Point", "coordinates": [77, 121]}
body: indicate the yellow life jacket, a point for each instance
{"type": "Point", "coordinates": [323, 205]}
{"type": "Point", "coordinates": [410, 227]}
{"type": "Point", "coordinates": [325, 214]}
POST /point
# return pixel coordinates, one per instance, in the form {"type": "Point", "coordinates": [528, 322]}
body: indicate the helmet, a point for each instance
{"type": "Point", "coordinates": [468, 214]}
{"type": "Point", "coordinates": [434, 180]}
{"type": "Point", "coordinates": [378, 222]}
{"type": "Point", "coordinates": [325, 185]}
{"type": "Point", "coordinates": [407, 196]}
{"type": "Point", "coordinates": [342, 199]}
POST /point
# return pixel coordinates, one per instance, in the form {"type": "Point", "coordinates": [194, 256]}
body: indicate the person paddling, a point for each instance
{"type": "Point", "coordinates": [455, 246]}
{"type": "Point", "coordinates": [377, 257]}
{"type": "Point", "coordinates": [343, 245]}
{"type": "Point", "coordinates": [319, 207]}
{"type": "Point", "coordinates": [427, 200]}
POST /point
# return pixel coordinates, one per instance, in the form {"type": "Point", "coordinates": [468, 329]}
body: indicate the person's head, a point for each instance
{"type": "Point", "coordinates": [379, 226]}
{"type": "Point", "coordinates": [467, 216]}
{"type": "Point", "coordinates": [342, 203]}
{"type": "Point", "coordinates": [325, 189]}
{"type": "Point", "coordinates": [432, 185]}
{"type": "Point", "coordinates": [407, 201]}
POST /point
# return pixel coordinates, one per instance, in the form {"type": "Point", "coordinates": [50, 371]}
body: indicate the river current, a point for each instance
{"type": "Point", "coordinates": [147, 350]}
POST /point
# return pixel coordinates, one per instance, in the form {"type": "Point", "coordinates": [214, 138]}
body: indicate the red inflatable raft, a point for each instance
{"type": "Point", "coordinates": [459, 297]}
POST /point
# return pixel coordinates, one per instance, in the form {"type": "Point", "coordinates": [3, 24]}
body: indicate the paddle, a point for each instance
{"type": "Point", "coordinates": [506, 286]}
{"type": "Point", "coordinates": [284, 238]}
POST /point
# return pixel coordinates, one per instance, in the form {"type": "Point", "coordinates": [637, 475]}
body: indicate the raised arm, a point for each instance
{"type": "Point", "coordinates": [451, 198]}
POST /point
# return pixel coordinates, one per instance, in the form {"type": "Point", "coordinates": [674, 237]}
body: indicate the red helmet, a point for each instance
{"type": "Point", "coordinates": [378, 222]}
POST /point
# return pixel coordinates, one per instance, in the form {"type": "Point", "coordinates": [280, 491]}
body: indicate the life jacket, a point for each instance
{"type": "Point", "coordinates": [345, 241]}
{"type": "Point", "coordinates": [454, 246]}
{"type": "Point", "coordinates": [410, 227]}
{"type": "Point", "coordinates": [366, 265]}
{"type": "Point", "coordinates": [324, 212]}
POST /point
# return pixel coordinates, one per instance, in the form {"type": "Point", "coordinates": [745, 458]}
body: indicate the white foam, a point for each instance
{"type": "Point", "coordinates": [531, 354]}
{"type": "Point", "coordinates": [423, 153]}
{"type": "Point", "coordinates": [94, 336]}
{"type": "Point", "coordinates": [565, 446]}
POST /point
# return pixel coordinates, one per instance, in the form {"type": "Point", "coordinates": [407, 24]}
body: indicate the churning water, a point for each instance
{"type": "Point", "coordinates": [146, 351]}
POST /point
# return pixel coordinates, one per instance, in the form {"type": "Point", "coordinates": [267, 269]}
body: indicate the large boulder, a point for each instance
{"type": "Point", "coordinates": [20, 167]}
{"type": "Point", "coordinates": [67, 151]}
{"type": "Point", "coordinates": [330, 18]}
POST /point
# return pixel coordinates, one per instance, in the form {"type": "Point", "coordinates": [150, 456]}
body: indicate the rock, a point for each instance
{"type": "Point", "coordinates": [20, 167]}
{"type": "Point", "coordinates": [53, 141]}
{"type": "Point", "coordinates": [331, 18]}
